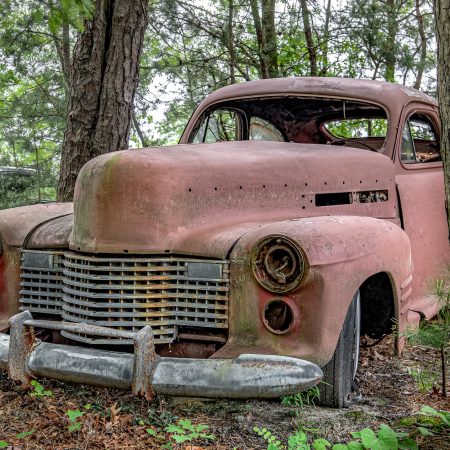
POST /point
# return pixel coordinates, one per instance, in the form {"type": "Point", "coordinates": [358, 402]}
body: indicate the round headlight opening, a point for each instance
{"type": "Point", "coordinates": [278, 317]}
{"type": "Point", "coordinates": [279, 264]}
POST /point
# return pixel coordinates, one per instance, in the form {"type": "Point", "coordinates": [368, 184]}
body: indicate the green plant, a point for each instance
{"type": "Point", "coordinates": [183, 431]}
{"type": "Point", "coordinates": [4, 444]}
{"type": "Point", "coordinates": [74, 423]}
{"type": "Point", "coordinates": [425, 379]}
{"type": "Point", "coordinates": [24, 434]}
{"type": "Point", "coordinates": [436, 333]}
{"type": "Point", "coordinates": [366, 439]}
{"type": "Point", "coordinates": [301, 399]}
{"type": "Point", "coordinates": [186, 431]}
{"type": "Point", "coordinates": [39, 391]}
{"type": "Point", "coordinates": [442, 416]}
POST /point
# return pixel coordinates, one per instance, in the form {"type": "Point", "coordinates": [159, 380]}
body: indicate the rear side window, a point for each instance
{"type": "Point", "coordinates": [357, 128]}
{"type": "Point", "coordinates": [420, 143]}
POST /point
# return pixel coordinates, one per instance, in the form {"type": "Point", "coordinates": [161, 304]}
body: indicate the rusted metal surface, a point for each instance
{"type": "Point", "coordinates": [146, 373]}
{"type": "Point", "coordinates": [9, 283]}
{"type": "Point", "coordinates": [342, 252]}
{"type": "Point", "coordinates": [179, 217]}
{"type": "Point", "coordinates": [53, 234]}
{"type": "Point", "coordinates": [21, 344]}
{"type": "Point", "coordinates": [17, 223]}
{"type": "Point", "coordinates": [145, 362]}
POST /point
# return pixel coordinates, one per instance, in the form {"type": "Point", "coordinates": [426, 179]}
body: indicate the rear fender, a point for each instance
{"type": "Point", "coordinates": [341, 253]}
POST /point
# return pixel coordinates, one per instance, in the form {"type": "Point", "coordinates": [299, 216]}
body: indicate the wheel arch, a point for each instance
{"type": "Point", "coordinates": [377, 305]}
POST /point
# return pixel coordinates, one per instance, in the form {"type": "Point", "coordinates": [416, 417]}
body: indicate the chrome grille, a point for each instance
{"type": "Point", "coordinates": [128, 293]}
{"type": "Point", "coordinates": [41, 282]}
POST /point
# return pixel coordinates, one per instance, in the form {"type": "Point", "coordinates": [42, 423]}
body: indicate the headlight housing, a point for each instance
{"type": "Point", "coordinates": [278, 264]}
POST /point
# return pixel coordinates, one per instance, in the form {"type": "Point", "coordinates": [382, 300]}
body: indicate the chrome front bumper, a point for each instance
{"type": "Point", "coordinates": [144, 372]}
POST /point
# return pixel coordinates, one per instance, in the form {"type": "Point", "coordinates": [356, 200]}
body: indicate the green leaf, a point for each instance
{"type": "Point", "coordinates": [174, 429]}
{"type": "Point", "coordinates": [76, 426]}
{"type": "Point", "coordinates": [425, 431]}
{"type": "Point", "coordinates": [186, 424]}
{"type": "Point", "coordinates": [179, 438]}
{"type": "Point", "coordinates": [151, 431]}
{"type": "Point", "coordinates": [339, 447]}
{"type": "Point", "coordinates": [24, 434]}
{"type": "Point", "coordinates": [74, 414]}
{"type": "Point", "coordinates": [353, 445]}
{"type": "Point", "coordinates": [369, 438]}
{"type": "Point", "coordinates": [320, 444]}
{"type": "Point", "coordinates": [4, 444]}
{"type": "Point", "coordinates": [387, 438]}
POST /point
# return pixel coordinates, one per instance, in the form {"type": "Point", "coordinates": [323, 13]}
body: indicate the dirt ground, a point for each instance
{"type": "Point", "coordinates": [391, 393]}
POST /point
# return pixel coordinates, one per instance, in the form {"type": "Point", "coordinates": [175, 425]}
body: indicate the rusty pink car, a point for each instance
{"type": "Point", "coordinates": [295, 215]}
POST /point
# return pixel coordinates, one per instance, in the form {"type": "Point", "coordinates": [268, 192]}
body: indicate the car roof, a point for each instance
{"type": "Point", "coordinates": [389, 95]}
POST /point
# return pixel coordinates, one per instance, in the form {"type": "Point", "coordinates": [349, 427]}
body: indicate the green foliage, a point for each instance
{"type": "Point", "coordinates": [309, 397]}
{"type": "Point", "coordinates": [436, 333]}
{"type": "Point", "coordinates": [72, 12]}
{"type": "Point", "coordinates": [74, 423]}
{"type": "Point", "coordinates": [39, 391]}
{"type": "Point", "coordinates": [186, 431]}
{"type": "Point", "coordinates": [24, 434]}
{"type": "Point", "coordinates": [385, 439]}
{"type": "Point", "coordinates": [4, 444]}
{"type": "Point", "coordinates": [425, 379]}
{"type": "Point", "coordinates": [183, 431]}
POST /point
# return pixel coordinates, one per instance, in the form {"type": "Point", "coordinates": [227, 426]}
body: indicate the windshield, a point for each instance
{"type": "Point", "coordinates": [295, 119]}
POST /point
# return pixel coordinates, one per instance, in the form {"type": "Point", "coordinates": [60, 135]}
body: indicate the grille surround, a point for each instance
{"type": "Point", "coordinates": [128, 292]}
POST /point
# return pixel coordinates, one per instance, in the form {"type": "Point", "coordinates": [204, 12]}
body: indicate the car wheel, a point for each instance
{"type": "Point", "coordinates": [338, 385]}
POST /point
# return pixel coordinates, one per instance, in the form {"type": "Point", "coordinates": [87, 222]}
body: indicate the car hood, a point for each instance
{"type": "Point", "coordinates": [198, 199]}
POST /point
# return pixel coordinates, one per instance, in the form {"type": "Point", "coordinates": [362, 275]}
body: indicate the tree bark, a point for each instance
{"type": "Point", "coordinates": [104, 77]}
{"type": "Point", "coordinates": [392, 29]}
{"type": "Point", "coordinates": [423, 46]}
{"type": "Point", "coordinates": [266, 37]}
{"type": "Point", "coordinates": [312, 54]}
{"type": "Point", "coordinates": [442, 19]}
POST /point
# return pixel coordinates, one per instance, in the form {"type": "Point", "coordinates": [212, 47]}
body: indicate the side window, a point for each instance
{"type": "Point", "coordinates": [217, 126]}
{"type": "Point", "coordinates": [420, 142]}
{"type": "Point", "coordinates": [262, 130]}
{"type": "Point", "coordinates": [367, 133]}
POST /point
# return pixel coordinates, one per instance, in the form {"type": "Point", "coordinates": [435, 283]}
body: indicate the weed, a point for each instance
{"type": "Point", "coordinates": [301, 399]}
{"type": "Point", "coordinates": [424, 379]}
{"type": "Point", "coordinates": [74, 423]}
{"type": "Point", "coordinates": [182, 431]}
{"type": "Point", "coordinates": [385, 439]}
{"type": "Point", "coordinates": [4, 444]}
{"type": "Point", "coordinates": [39, 391]}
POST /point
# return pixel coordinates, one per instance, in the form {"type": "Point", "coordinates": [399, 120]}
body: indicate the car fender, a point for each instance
{"type": "Point", "coordinates": [341, 252]}
{"type": "Point", "coordinates": [16, 227]}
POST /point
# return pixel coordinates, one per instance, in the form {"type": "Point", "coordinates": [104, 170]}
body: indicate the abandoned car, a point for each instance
{"type": "Point", "coordinates": [295, 215]}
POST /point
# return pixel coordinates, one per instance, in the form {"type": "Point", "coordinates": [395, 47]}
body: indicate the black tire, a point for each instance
{"type": "Point", "coordinates": [338, 384]}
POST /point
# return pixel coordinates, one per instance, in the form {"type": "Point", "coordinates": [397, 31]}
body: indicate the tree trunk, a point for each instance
{"type": "Point", "coordinates": [391, 37]}
{"type": "Point", "coordinates": [266, 37]}
{"type": "Point", "coordinates": [104, 77]}
{"type": "Point", "coordinates": [312, 54]}
{"type": "Point", "coordinates": [423, 46]}
{"type": "Point", "coordinates": [442, 16]}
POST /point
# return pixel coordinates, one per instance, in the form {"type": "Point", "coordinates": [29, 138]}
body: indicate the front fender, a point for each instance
{"type": "Point", "coordinates": [341, 252]}
{"type": "Point", "coordinates": [16, 228]}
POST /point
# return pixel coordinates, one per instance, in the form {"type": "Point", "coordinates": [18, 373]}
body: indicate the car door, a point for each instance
{"type": "Point", "coordinates": [420, 184]}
